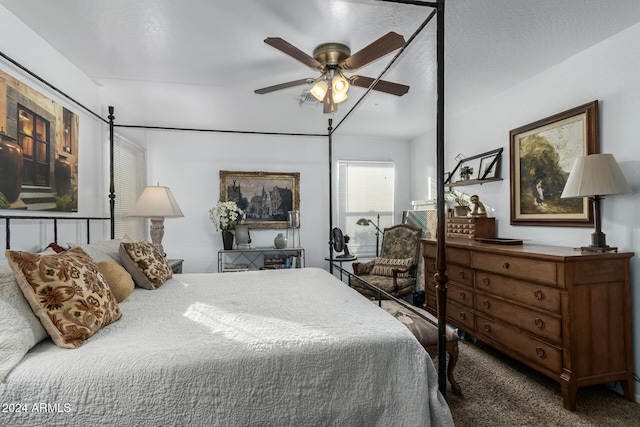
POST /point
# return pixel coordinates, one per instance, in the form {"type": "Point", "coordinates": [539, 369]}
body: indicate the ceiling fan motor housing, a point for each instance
{"type": "Point", "coordinates": [331, 54]}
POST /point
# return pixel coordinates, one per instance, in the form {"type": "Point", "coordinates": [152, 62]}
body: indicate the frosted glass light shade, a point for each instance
{"type": "Point", "coordinates": [156, 202]}
{"type": "Point", "coordinates": [595, 175]}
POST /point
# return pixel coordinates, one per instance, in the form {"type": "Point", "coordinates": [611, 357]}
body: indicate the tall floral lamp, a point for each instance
{"type": "Point", "coordinates": [594, 176]}
{"type": "Point", "coordinates": [157, 203]}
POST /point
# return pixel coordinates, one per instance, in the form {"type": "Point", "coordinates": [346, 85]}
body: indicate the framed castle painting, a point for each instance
{"type": "Point", "coordinates": [266, 197]}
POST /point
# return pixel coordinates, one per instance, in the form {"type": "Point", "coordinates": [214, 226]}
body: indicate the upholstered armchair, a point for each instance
{"type": "Point", "coordinates": [394, 271]}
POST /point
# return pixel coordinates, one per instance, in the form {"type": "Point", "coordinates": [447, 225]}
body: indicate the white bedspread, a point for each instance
{"type": "Point", "coordinates": [274, 348]}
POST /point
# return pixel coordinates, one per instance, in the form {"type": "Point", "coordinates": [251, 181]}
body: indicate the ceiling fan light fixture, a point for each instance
{"type": "Point", "coordinates": [339, 97]}
{"type": "Point", "coordinates": [340, 87]}
{"type": "Point", "coordinates": [319, 89]}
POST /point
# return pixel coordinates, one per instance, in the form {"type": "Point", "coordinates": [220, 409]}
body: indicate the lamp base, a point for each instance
{"type": "Point", "coordinates": [598, 249]}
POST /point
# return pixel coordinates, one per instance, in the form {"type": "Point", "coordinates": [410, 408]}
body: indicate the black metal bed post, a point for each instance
{"type": "Point", "coordinates": [330, 129]}
{"type": "Point", "coordinates": [112, 188]}
{"type": "Point", "coordinates": [441, 277]}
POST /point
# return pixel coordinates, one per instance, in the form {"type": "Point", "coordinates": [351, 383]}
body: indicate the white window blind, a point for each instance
{"type": "Point", "coordinates": [365, 190]}
{"type": "Point", "coordinates": [130, 168]}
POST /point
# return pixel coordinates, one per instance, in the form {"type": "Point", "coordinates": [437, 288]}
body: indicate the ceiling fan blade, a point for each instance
{"type": "Point", "coordinates": [283, 86]}
{"type": "Point", "coordinates": [382, 85]}
{"type": "Point", "coordinates": [379, 48]}
{"type": "Point", "coordinates": [286, 47]}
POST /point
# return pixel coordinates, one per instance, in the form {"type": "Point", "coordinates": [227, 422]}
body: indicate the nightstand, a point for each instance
{"type": "Point", "coordinates": [176, 265]}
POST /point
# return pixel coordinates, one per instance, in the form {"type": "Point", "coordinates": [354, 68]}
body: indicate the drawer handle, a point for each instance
{"type": "Point", "coordinates": [540, 352]}
{"type": "Point", "coordinates": [505, 265]}
{"type": "Point", "coordinates": [462, 295]}
{"type": "Point", "coordinates": [486, 281]}
{"type": "Point", "coordinates": [487, 328]}
{"type": "Point", "coordinates": [539, 323]}
{"type": "Point", "coordinates": [462, 315]}
{"type": "Point", "coordinates": [539, 295]}
{"type": "Point", "coordinates": [486, 304]}
{"type": "Point", "coordinates": [461, 274]}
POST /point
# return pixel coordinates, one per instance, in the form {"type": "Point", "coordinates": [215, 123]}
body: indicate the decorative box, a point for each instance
{"type": "Point", "coordinates": [460, 227]}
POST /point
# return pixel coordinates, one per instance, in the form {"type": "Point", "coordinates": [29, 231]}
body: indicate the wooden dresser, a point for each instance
{"type": "Point", "coordinates": [561, 311]}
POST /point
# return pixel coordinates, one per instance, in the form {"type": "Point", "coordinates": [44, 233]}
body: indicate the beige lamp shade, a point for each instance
{"type": "Point", "coordinates": [595, 175]}
{"type": "Point", "coordinates": [156, 202]}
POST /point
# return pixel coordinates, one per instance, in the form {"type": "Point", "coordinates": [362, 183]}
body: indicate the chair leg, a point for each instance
{"type": "Point", "coordinates": [452, 349]}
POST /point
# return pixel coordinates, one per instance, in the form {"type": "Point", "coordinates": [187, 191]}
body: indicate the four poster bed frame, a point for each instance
{"type": "Point", "coordinates": [440, 277]}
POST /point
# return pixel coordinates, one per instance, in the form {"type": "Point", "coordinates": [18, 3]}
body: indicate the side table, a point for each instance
{"type": "Point", "coordinates": [341, 260]}
{"type": "Point", "coordinates": [176, 265]}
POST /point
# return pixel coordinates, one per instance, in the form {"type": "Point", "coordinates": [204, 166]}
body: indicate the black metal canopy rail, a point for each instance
{"type": "Point", "coordinates": [55, 219]}
{"type": "Point", "coordinates": [440, 276]}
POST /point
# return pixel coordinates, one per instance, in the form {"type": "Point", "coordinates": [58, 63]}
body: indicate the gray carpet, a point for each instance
{"type": "Point", "coordinates": [498, 391]}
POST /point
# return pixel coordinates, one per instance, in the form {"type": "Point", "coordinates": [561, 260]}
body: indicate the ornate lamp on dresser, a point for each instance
{"type": "Point", "coordinates": [563, 312]}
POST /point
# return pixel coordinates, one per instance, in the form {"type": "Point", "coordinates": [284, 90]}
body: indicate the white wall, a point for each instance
{"type": "Point", "coordinates": [58, 71]}
{"type": "Point", "coordinates": [607, 72]}
{"type": "Point", "coordinates": [189, 163]}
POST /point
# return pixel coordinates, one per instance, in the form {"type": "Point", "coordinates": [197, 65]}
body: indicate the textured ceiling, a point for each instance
{"type": "Point", "coordinates": [195, 63]}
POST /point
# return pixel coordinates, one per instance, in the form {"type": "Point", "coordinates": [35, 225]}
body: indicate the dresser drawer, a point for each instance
{"type": "Point", "coordinates": [457, 315]}
{"type": "Point", "coordinates": [455, 272]}
{"type": "Point", "coordinates": [529, 294]}
{"type": "Point", "coordinates": [536, 351]}
{"type": "Point", "coordinates": [460, 274]}
{"type": "Point", "coordinates": [461, 316]}
{"type": "Point", "coordinates": [525, 268]}
{"type": "Point", "coordinates": [455, 292]}
{"type": "Point", "coordinates": [460, 294]}
{"type": "Point", "coordinates": [544, 325]}
{"type": "Point", "coordinates": [454, 255]}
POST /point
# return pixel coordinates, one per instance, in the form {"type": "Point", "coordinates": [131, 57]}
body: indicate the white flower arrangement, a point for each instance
{"type": "Point", "coordinates": [225, 215]}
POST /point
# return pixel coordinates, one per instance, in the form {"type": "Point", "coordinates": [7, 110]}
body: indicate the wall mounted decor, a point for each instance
{"type": "Point", "coordinates": [266, 197]}
{"type": "Point", "coordinates": [542, 154]}
{"type": "Point", "coordinates": [478, 169]}
{"type": "Point", "coordinates": [39, 150]}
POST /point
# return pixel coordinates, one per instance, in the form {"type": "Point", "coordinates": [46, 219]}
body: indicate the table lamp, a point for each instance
{"type": "Point", "coordinates": [156, 203]}
{"type": "Point", "coordinates": [594, 176]}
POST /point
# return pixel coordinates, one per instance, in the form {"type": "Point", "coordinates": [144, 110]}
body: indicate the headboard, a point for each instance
{"type": "Point", "coordinates": [54, 219]}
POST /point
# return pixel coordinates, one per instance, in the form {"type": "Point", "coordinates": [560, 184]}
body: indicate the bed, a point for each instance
{"type": "Point", "coordinates": [293, 347]}
{"type": "Point", "coordinates": [286, 347]}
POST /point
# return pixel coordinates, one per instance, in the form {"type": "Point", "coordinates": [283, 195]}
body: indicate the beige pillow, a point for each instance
{"type": "Point", "coordinates": [385, 266]}
{"type": "Point", "coordinates": [145, 263]}
{"type": "Point", "coordinates": [120, 282]}
{"type": "Point", "coordinates": [67, 293]}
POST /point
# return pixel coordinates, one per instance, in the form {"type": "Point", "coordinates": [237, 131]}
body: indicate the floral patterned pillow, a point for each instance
{"type": "Point", "coordinates": [385, 266]}
{"type": "Point", "coordinates": [67, 293]}
{"type": "Point", "coordinates": [145, 263]}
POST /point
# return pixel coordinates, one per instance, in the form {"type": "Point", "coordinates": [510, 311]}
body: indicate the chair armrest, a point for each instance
{"type": "Point", "coordinates": [362, 267]}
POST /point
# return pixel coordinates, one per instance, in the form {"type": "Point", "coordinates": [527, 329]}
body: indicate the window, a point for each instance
{"type": "Point", "coordinates": [33, 137]}
{"type": "Point", "coordinates": [67, 137]}
{"type": "Point", "coordinates": [365, 190]}
{"type": "Point", "coordinates": [130, 170]}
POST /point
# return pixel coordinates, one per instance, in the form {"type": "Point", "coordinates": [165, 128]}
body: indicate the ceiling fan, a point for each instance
{"type": "Point", "coordinates": [333, 60]}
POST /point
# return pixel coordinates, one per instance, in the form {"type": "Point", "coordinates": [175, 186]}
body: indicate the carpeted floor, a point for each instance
{"type": "Point", "coordinates": [498, 391]}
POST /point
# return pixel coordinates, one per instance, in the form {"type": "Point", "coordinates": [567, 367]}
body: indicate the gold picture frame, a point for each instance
{"type": "Point", "coordinates": [542, 154]}
{"type": "Point", "coordinates": [266, 197]}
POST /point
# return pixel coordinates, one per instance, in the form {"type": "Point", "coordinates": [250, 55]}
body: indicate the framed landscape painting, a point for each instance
{"type": "Point", "coordinates": [266, 197]}
{"type": "Point", "coordinates": [542, 154]}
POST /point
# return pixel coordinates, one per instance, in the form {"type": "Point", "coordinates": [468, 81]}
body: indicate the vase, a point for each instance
{"type": "Point", "coordinates": [227, 240]}
{"type": "Point", "coordinates": [63, 176]}
{"type": "Point", "coordinates": [280, 242]}
{"type": "Point", "coordinates": [11, 164]}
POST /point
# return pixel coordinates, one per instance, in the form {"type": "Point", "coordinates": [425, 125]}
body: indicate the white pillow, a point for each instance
{"type": "Point", "coordinates": [108, 250]}
{"type": "Point", "coordinates": [21, 329]}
